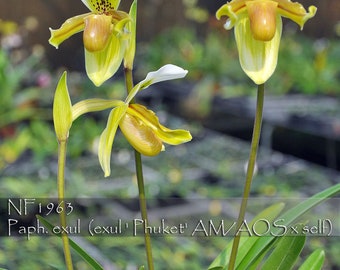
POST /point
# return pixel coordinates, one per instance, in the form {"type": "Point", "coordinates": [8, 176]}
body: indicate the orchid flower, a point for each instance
{"type": "Point", "coordinates": [139, 125]}
{"type": "Point", "coordinates": [108, 35]}
{"type": "Point", "coordinates": [258, 27]}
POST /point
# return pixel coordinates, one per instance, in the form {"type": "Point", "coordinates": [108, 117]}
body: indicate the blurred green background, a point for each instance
{"type": "Point", "coordinates": [185, 33]}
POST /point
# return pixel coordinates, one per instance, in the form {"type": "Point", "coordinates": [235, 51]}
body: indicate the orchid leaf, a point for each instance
{"type": "Point", "coordinates": [288, 217]}
{"type": "Point", "coordinates": [286, 252]}
{"type": "Point", "coordinates": [246, 243]}
{"type": "Point", "coordinates": [262, 244]}
{"type": "Point", "coordinates": [314, 261]}
{"type": "Point", "coordinates": [92, 262]}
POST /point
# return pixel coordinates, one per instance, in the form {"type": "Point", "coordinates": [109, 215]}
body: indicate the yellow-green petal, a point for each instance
{"type": "Point", "coordinates": [62, 110]}
{"type": "Point", "coordinates": [292, 10]}
{"type": "Point", "coordinates": [102, 65]}
{"type": "Point", "coordinates": [149, 118]}
{"type": "Point", "coordinates": [68, 28]}
{"type": "Point", "coordinates": [295, 11]}
{"type": "Point", "coordinates": [93, 105]}
{"type": "Point", "coordinates": [131, 28]}
{"type": "Point", "coordinates": [107, 138]}
{"type": "Point", "coordinates": [233, 10]}
{"type": "Point", "coordinates": [258, 59]}
{"type": "Point", "coordinates": [101, 6]}
{"type": "Point", "coordinates": [173, 136]}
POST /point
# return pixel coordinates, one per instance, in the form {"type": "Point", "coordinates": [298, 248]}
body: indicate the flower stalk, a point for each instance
{"type": "Point", "coordinates": [61, 201]}
{"type": "Point", "coordinates": [143, 208]}
{"type": "Point", "coordinates": [258, 27]}
{"type": "Point", "coordinates": [250, 172]}
{"type": "Point", "coordinates": [140, 183]}
{"type": "Point", "coordinates": [109, 38]}
{"type": "Point", "coordinates": [62, 119]}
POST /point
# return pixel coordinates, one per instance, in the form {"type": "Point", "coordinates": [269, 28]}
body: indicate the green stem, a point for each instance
{"type": "Point", "coordinates": [143, 208]}
{"type": "Point", "coordinates": [61, 202]}
{"type": "Point", "coordinates": [140, 181]}
{"type": "Point", "coordinates": [250, 172]}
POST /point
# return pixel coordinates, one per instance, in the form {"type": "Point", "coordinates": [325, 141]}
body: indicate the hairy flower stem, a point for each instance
{"type": "Point", "coordinates": [61, 201]}
{"type": "Point", "coordinates": [140, 181]}
{"type": "Point", "coordinates": [250, 172]}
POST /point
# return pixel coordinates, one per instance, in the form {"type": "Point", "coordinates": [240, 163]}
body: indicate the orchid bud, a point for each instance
{"type": "Point", "coordinates": [97, 31]}
{"type": "Point", "coordinates": [262, 17]}
{"type": "Point", "coordinates": [62, 110]}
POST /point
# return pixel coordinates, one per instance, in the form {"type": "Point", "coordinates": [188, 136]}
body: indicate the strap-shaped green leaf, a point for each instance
{"type": "Point", "coordinates": [92, 262]}
{"type": "Point", "coordinates": [288, 217]}
{"type": "Point", "coordinates": [246, 242]}
{"type": "Point", "coordinates": [314, 261]}
{"type": "Point", "coordinates": [262, 244]}
{"type": "Point", "coordinates": [286, 252]}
